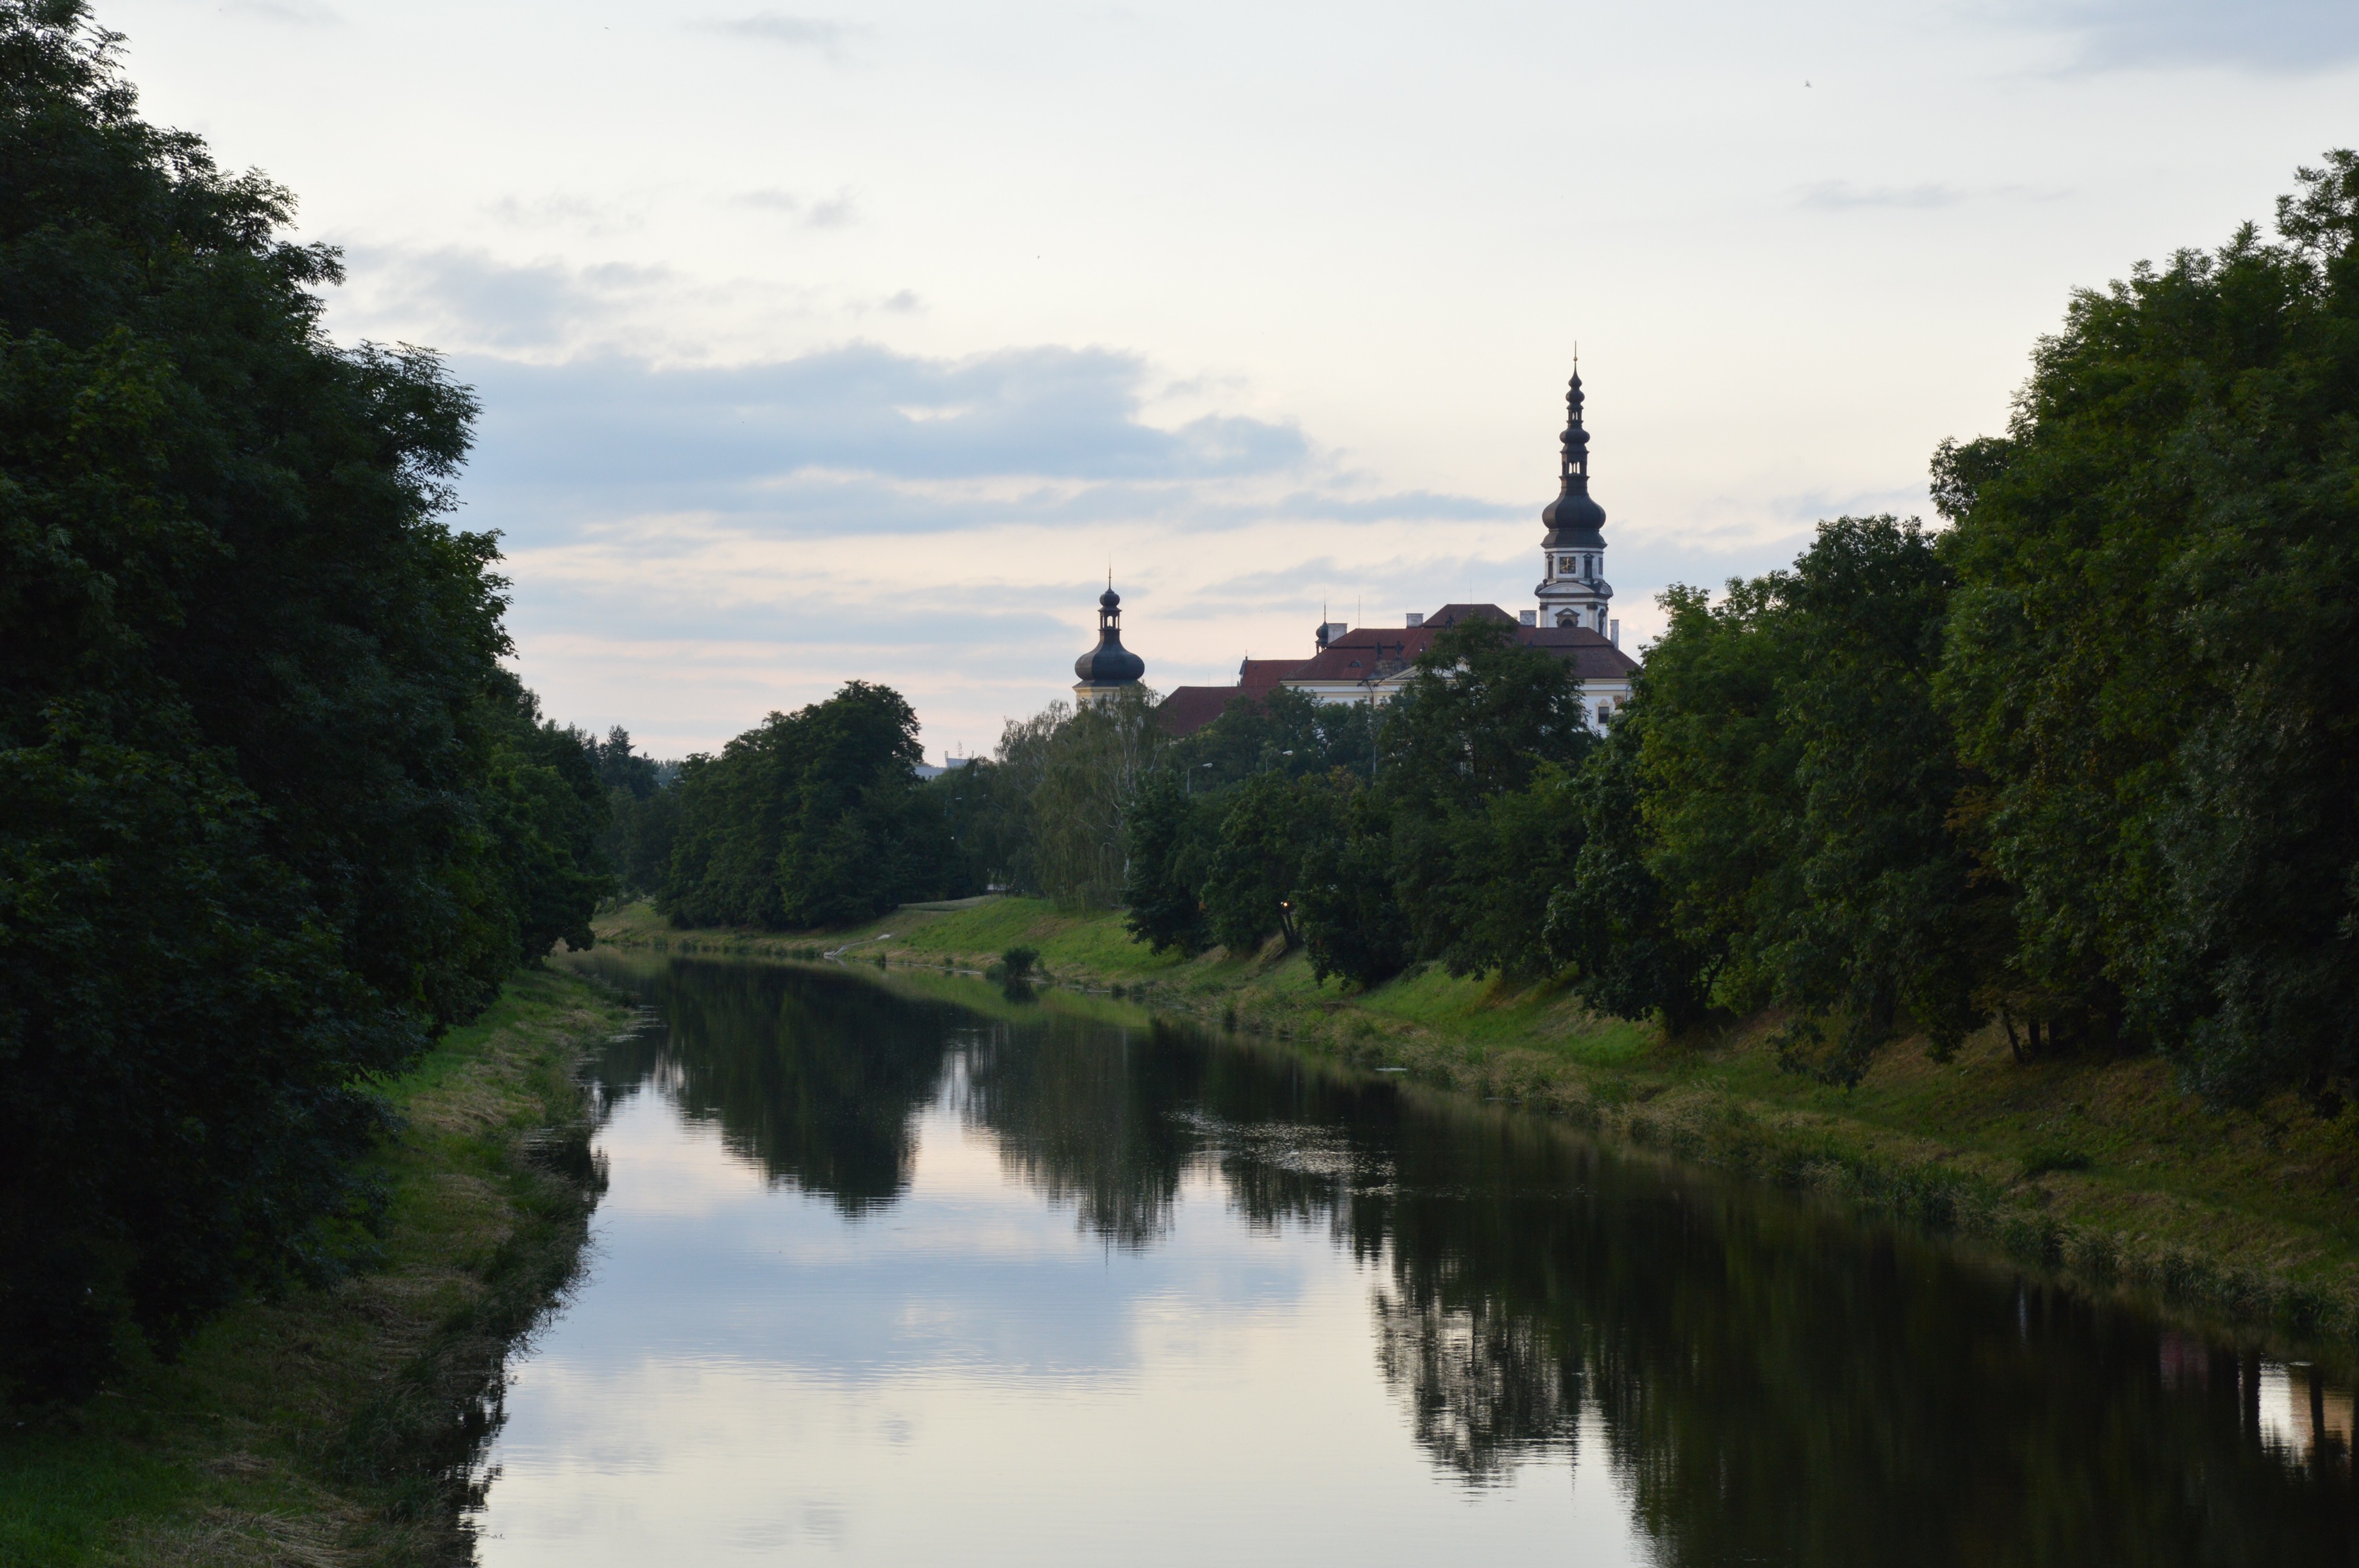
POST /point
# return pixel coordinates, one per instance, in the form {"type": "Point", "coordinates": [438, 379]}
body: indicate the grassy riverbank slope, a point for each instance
{"type": "Point", "coordinates": [334, 1426]}
{"type": "Point", "coordinates": [2101, 1169]}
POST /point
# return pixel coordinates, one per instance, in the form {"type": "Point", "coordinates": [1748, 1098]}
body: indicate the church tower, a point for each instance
{"type": "Point", "coordinates": [1573, 589]}
{"type": "Point", "coordinates": [1109, 668]}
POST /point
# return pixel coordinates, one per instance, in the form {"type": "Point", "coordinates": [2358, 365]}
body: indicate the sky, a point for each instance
{"type": "Point", "coordinates": [860, 342]}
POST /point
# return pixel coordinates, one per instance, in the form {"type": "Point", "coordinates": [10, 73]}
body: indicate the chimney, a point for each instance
{"type": "Point", "coordinates": [1416, 619]}
{"type": "Point", "coordinates": [1531, 617]}
{"type": "Point", "coordinates": [1613, 635]}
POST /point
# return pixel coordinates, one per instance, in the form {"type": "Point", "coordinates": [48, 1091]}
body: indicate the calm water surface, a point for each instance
{"type": "Point", "coordinates": [884, 1280]}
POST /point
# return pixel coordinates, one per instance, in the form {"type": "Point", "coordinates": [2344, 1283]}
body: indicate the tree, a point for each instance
{"type": "Point", "coordinates": [270, 815]}
{"type": "Point", "coordinates": [641, 813]}
{"type": "Point", "coordinates": [854, 842]}
{"type": "Point", "coordinates": [1163, 838]}
{"type": "Point", "coordinates": [1881, 931]}
{"type": "Point", "coordinates": [2151, 654]}
{"type": "Point", "coordinates": [1610, 926]}
{"type": "Point", "coordinates": [1478, 715]}
{"type": "Point", "coordinates": [549, 816]}
{"type": "Point", "coordinates": [1257, 872]}
{"type": "Point", "coordinates": [1351, 916]}
{"type": "Point", "coordinates": [1503, 864]}
{"type": "Point", "coordinates": [1089, 769]}
{"type": "Point", "coordinates": [813, 819]}
{"type": "Point", "coordinates": [1283, 729]}
{"type": "Point", "coordinates": [1716, 780]}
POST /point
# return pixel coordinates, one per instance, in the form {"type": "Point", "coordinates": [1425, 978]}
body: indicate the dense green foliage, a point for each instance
{"type": "Point", "coordinates": [271, 815]}
{"type": "Point", "coordinates": [642, 811]}
{"type": "Point", "coordinates": [1787, 789]}
{"type": "Point", "coordinates": [1438, 826]}
{"type": "Point", "coordinates": [2151, 658]}
{"type": "Point", "coordinates": [814, 819]}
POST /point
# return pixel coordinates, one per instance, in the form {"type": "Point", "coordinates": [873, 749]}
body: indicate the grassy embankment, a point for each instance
{"type": "Point", "coordinates": [334, 1426]}
{"type": "Point", "coordinates": [2100, 1169]}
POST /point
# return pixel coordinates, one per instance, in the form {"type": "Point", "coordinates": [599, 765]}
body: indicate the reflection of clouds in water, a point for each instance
{"type": "Point", "coordinates": [2300, 1416]}
{"type": "Point", "coordinates": [2293, 1409]}
{"type": "Point", "coordinates": [1078, 1250]}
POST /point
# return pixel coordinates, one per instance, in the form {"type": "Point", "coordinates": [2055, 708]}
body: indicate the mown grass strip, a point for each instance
{"type": "Point", "coordinates": [338, 1426]}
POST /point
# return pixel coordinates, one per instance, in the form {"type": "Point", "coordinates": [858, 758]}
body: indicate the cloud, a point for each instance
{"type": "Point", "coordinates": [580, 215]}
{"type": "Point", "coordinates": [1839, 194]}
{"type": "Point", "coordinates": [468, 296]}
{"type": "Point", "coordinates": [2289, 37]}
{"type": "Point", "coordinates": [833, 213]}
{"type": "Point", "coordinates": [859, 427]}
{"type": "Point", "coordinates": [287, 13]}
{"type": "Point", "coordinates": [693, 545]}
{"type": "Point", "coordinates": [828, 212]}
{"type": "Point", "coordinates": [815, 33]}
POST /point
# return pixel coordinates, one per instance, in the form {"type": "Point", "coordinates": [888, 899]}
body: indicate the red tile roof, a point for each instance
{"type": "Point", "coordinates": [1373, 652]}
{"type": "Point", "coordinates": [1592, 657]}
{"type": "Point", "coordinates": [1450, 615]}
{"type": "Point", "coordinates": [1261, 674]}
{"type": "Point", "coordinates": [1189, 708]}
{"type": "Point", "coordinates": [1377, 653]}
{"type": "Point", "coordinates": [1366, 653]}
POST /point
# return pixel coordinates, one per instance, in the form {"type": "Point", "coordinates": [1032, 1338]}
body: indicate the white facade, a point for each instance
{"type": "Point", "coordinates": [1572, 589]}
{"type": "Point", "coordinates": [1370, 664]}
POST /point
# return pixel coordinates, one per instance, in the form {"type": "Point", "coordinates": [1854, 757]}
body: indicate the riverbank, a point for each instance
{"type": "Point", "coordinates": [338, 1426]}
{"type": "Point", "coordinates": [2101, 1171]}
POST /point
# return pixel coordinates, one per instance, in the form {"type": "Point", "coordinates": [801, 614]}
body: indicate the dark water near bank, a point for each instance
{"type": "Point", "coordinates": [881, 1280]}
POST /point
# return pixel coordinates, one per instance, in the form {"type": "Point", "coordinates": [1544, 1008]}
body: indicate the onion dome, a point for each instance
{"type": "Point", "coordinates": [1109, 663]}
{"type": "Point", "coordinates": [1572, 520]}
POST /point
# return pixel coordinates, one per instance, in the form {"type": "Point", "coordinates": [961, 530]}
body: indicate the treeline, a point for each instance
{"type": "Point", "coordinates": [2085, 763]}
{"type": "Point", "coordinates": [2081, 764]}
{"type": "Point", "coordinates": [819, 817]}
{"type": "Point", "coordinates": [272, 816]}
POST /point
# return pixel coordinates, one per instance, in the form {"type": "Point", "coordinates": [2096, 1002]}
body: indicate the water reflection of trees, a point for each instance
{"type": "Point", "coordinates": [1083, 1114]}
{"type": "Point", "coordinates": [815, 1077]}
{"type": "Point", "coordinates": [1772, 1382]}
{"type": "Point", "coordinates": [1775, 1385]}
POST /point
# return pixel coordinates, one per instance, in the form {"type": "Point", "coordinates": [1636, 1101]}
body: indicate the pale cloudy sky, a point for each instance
{"type": "Point", "coordinates": [856, 340]}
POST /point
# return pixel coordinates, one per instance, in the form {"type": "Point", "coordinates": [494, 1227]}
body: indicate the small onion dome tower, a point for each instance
{"type": "Point", "coordinates": [1108, 667]}
{"type": "Point", "coordinates": [1572, 589]}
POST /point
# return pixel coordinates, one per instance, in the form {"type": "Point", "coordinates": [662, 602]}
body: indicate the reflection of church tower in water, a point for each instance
{"type": "Point", "coordinates": [1573, 589]}
{"type": "Point", "coordinates": [1108, 667]}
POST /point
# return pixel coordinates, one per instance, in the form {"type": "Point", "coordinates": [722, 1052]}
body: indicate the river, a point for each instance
{"type": "Point", "coordinates": [896, 1270]}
